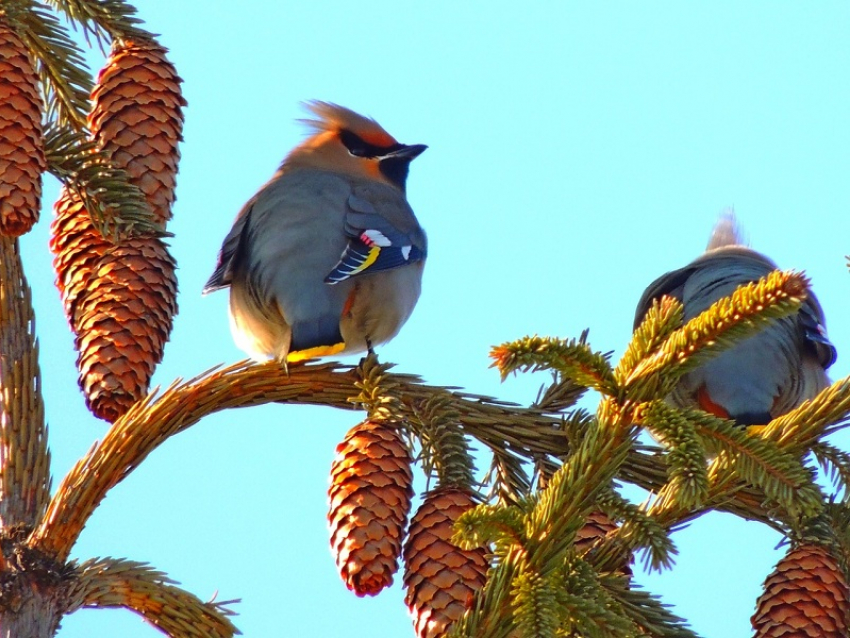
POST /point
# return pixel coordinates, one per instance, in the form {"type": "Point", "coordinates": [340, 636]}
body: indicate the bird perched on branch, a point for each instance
{"type": "Point", "coordinates": [765, 375]}
{"type": "Point", "coordinates": [327, 257]}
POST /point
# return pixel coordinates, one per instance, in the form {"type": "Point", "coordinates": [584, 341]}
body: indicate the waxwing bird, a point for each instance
{"type": "Point", "coordinates": [327, 257]}
{"type": "Point", "coordinates": [765, 375]}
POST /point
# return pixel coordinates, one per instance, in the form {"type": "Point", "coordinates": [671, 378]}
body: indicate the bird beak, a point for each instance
{"type": "Point", "coordinates": [406, 152]}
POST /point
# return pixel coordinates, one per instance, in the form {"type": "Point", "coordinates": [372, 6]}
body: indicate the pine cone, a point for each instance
{"type": "Point", "coordinates": [120, 301]}
{"type": "Point", "coordinates": [369, 496]}
{"type": "Point", "coordinates": [21, 152]}
{"type": "Point", "coordinates": [137, 118]}
{"type": "Point", "coordinates": [440, 578]}
{"type": "Point", "coordinates": [76, 246]}
{"type": "Point", "coordinates": [805, 596]}
{"type": "Point", "coordinates": [596, 526]}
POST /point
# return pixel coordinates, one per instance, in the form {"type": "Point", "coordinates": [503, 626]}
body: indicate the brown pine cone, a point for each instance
{"type": "Point", "coordinates": [21, 145]}
{"type": "Point", "coordinates": [120, 301]}
{"type": "Point", "coordinates": [596, 526]}
{"type": "Point", "coordinates": [76, 247]}
{"type": "Point", "coordinates": [441, 579]}
{"type": "Point", "coordinates": [369, 497]}
{"type": "Point", "coordinates": [805, 596]}
{"type": "Point", "coordinates": [137, 119]}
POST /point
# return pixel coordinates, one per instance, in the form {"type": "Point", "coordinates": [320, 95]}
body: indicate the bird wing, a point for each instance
{"type": "Point", "coordinates": [811, 316]}
{"type": "Point", "coordinates": [223, 273]}
{"type": "Point", "coordinates": [669, 284]}
{"type": "Point", "coordinates": [382, 234]}
{"type": "Point", "coordinates": [735, 263]}
{"type": "Point", "coordinates": [812, 324]}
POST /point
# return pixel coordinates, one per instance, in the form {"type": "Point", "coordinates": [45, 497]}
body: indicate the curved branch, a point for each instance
{"type": "Point", "coordinates": [154, 419]}
{"type": "Point", "coordinates": [526, 433]}
{"type": "Point", "coordinates": [112, 582]}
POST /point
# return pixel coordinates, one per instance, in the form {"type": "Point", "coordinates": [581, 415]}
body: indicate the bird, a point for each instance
{"type": "Point", "coordinates": [765, 375]}
{"type": "Point", "coordinates": [327, 257]}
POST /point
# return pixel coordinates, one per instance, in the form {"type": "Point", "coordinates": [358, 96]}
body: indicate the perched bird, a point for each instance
{"type": "Point", "coordinates": [327, 257]}
{"type": "Point", "coordinates": [765, 375]}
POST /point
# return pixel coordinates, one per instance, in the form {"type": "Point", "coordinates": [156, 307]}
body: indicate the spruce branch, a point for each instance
{"type": "Point", "coordinates": [378, 391]}
{"type": "Point", "coordinates": [800, 428]}
{"type": "Point", "coordinates": [551, 522]}
{"type": "Point", "coordinates": [104, 20]}
{"type": "Point", "coordinates": [517, 600]}
{"type": "Point", "coordinates": [639, 530]}
{"type": "Point", "coordinates": [559, 395]}
{"type": "Point", "coordinates": [507, 477]}
{"type": "Point", "coordinates": [572, 358]}
{"type": "Point", "coordinates": [662, 319]}
{"type": "Point", "coordinates": [749, 309]}
{"type": "Point", "coordinates": [587, 606]}
{"type": "Point", "coordinates": [485, 524]}
{"type": "Point", "coordinates": [491, 614]}
{"type": "Point", "coordinates": [645, 610]}
{"type": "Point", "coordinates": [646, 467]}
{"type": "Point", "coordinates": [151, 421]}
{"type": "Point", "coordinates": [118, 209]}
{"type": "Point", "coordinates": [747, 478]}
{"type": "Point", "coordinates": [561, 508]}
{"type": "Point", "coordinates": [781, 476]}
{"type": "Point", "coordinates": [686, 454]}
{"type": "Point", "coordinates": [535, 604]}
{"type": "Point", "coordinates": [835, 464]}
{"type": "Point", "coordinates": [445, 449]}
{"type": "Point", "coordinates": [111, 582]}
{"type": "Point", "coordinates": [61, 66]}
{"type": "Point", "coordinates": [24, 457]}
{"type": "Point", "coordinates": [837, 520]}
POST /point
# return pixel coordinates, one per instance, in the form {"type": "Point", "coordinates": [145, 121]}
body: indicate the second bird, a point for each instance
{"type": "Point", "coordinates": [327, 257]}
{"type": "Point", "coordinates": [759, 378]}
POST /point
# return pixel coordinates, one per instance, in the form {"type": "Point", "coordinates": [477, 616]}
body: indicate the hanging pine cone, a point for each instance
{"type": "Point", "coordinates": [21, 152]}
{"type": "Point", "coordinates": [137, 118]}
{"type": "Point", "coordinates": [806, 596]}
{"type": "Point", "coordinates": [441, 579]}
{"type": "Point", "coordinates": [369, 497]}
{"type": "Point", "coordinates": [121, 299]}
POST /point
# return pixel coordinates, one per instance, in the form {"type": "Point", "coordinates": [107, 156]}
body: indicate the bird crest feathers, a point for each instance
{"type": "Point", "coordinates": [726, 232]}
{"type": "Point", "coordinates": [332, 117]}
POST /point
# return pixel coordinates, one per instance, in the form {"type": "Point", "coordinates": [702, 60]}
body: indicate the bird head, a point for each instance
{"type": "Point", "coordinates": [346, 142]}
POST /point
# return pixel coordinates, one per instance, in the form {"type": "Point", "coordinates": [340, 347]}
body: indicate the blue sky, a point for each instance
{"type": "Point", "coordinates": [576, 152]}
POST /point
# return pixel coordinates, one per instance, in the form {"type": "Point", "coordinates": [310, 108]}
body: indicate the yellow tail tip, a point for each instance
{"type": "Point", "coordinates": [312, 353]}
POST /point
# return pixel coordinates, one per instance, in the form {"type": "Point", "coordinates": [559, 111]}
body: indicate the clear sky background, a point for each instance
{"type": "Point", "coordinates": [576, 152]}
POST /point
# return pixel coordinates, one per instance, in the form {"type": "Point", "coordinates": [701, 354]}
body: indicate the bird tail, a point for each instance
{"type": "Point", "coordinates": [316, 338]}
